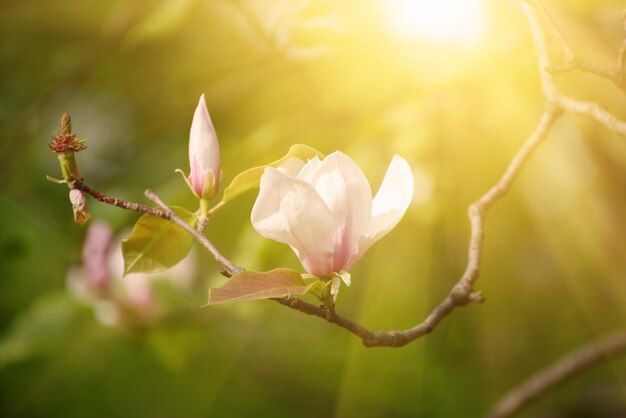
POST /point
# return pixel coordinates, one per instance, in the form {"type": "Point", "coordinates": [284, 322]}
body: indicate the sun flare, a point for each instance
{"type": "Point", "coordinates": [459, 22]}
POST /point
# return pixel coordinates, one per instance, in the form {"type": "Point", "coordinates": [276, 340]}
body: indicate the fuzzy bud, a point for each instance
{"type": "Point", "coordinates": [64, 144]}
{"type": "Point", "coordinates": [79, 206]}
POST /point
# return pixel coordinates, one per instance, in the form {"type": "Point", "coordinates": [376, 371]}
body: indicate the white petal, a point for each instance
{"type": "Point", "coordinates": [346, 191]}
{"type": "Point", "coordinates": [390, 204]}
{"type": "Point", "coordinates": [310, 168]}
{"type": "Point", "coordinates": [290, 211]}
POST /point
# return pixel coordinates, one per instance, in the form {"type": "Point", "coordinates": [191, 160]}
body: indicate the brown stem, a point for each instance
{"type": "Point", "coordinates": [566, 367]}
{"type": "Point", "coordinates": [135, 207]}
{"type": "Point", "coordinates": [172, 216]}
{"type": "Point", "coordinates": [166, 213]}
{"type": "Point", "coordinates": [462, 293]}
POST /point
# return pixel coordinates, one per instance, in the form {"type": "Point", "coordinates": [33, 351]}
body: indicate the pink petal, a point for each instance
{"type": "Point", "coordinates": [347, 193]}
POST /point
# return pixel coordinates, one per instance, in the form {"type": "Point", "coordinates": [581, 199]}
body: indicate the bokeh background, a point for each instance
{"type": "Point", "coordinates": [450, 85]}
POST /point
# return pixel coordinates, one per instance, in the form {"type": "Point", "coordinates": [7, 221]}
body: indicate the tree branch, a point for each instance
{"type": "Point", "coordinates": [568, 366]}
{"type": "Point", "coordinates": [462, 292]}
{"type": "Point", "coordinates": [595, 111]}
{"type": "Point", "coordinates": [135, 207]}
{"type": "Point", "coordinates": [166, 213]}
{"type": "Point", "coordinates": [229, 267]}
{"type": "Point", "coordinates": [554, 96]}
{"type": "Point", "coordinates": [575, 63]}
{"type": "Point", "coordinates": [594, 352]}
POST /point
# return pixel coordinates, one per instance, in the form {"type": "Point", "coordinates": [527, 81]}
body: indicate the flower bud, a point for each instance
{"type": "Point", "coordinates": [64, 144]}
{"type": "Point", "coordinates": [79, 206]}
{"type": "Point", "coordinates": [204, 154]}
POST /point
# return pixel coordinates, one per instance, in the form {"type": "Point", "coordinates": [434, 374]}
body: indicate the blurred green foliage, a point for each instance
{"type": "Point", "coordinates": [331, 75]}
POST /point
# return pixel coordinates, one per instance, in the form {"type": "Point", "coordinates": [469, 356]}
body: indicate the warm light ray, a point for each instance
{"type": "Point", "coordinates": [449, 21]}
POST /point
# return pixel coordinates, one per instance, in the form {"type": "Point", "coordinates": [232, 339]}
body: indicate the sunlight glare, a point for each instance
{"type": "Point", "coordinates": [459, 22]}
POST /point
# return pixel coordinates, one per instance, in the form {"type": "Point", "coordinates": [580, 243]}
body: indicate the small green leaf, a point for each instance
{"type": "Point", "coordinates": [250, 285]}
{"type": "Point", "coordinates": [156, 244]}
{"type": "Point", "coordinates": [251, 178]}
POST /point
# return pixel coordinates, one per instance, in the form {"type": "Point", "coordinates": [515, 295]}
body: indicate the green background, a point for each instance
{"type": "Point", "coordinates": [130, 73]}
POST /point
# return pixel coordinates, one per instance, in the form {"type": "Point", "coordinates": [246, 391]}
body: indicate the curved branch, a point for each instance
{"type": "Point", "coordinates": [229, 267]}
{"type": "Point", "coordinates": [595, 111]}
{"type": "Point", "coordinates": [572, 364]}
{"type": "Point", "coordinates": [166, 213]}
{"type": "Point", "coordinates": [462, 293]}
{"type": "Point", "coordinates": [536, 21]}
{"type": "Point", "coordinates": [574, 62]}
{"type": "Point", "coordinates": [124, 204]}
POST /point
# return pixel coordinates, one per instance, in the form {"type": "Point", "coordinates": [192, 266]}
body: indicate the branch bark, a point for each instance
{"type": "Point", "coordinates": [132, 206]}
{"type": "Point", "coordinates": [537, 19]}
{"type": "Point", "coordinates": [597, 351]}
{"type": "Point", "coordinates": [563, 369]}
{"type": "Point", "coordinates": [166, 213]}
{"type": "Point", "coordinates": [573, 62]}
{"type": "Point", "coordinates": [229, 267]}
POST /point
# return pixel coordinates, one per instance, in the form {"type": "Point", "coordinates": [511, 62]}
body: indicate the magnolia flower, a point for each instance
{"type": "Point", "coordinates": [325, 212]}
{"type": "Point", "coordinates": [204, 154]}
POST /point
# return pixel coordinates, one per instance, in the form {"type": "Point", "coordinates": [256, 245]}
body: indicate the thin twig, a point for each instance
{"type": "Point", "coordinates": [172, 216]}
{"type": "Point", "coordinates": [166, 213]}
{"type": "Point", "coordinates": [563, 369]}
{"type": "Point", "coordinates": [595, 111]}
{"type": "Point", "coordinates": [594, 352]}
{"type": "Point", "coordinates": [135, 207]}
{"type": "Point", "coordinates": [462, 293]}
{"type": "Point", "coordinates": [578, 64]}
{"type": "Point", "coordinates": [573, 62]}
{"type": "Point", "coordinates": [549, 87]}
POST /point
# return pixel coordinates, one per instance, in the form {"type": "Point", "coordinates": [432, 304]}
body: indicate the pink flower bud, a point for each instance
{"type": "Point", "coordinates": [204, 154]}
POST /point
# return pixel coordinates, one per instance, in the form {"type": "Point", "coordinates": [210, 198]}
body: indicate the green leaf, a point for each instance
{"type": "Point", "coordinates": [250, 285]}
{"type": "Point", "coordinates": [156, 244]}
{"type": "Point", "coordinates": [251, 178]}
